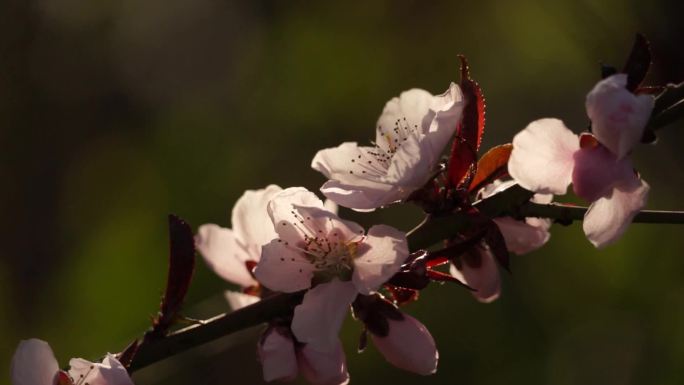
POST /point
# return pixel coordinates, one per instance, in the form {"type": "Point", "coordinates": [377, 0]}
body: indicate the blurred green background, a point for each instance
{"type": "Point", "coordinates": [114, 113]}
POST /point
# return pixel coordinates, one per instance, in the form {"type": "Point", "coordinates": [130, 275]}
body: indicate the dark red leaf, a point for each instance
{"type": "Point", "coordinates": [461, 162]}
{"type": "Point", "coordinates": [473, 122]}
{"type": "Point", "coordinates": [402, 295]}
{"type": "Point", "coordinates": [415, 279]}
{"type": "Point", "coordinates": [638, 62]}
{"type": "Point", "coordinates": [181, 268]}
{"type": "Point", "coordinates": [492, 165]}
{"type": "Point", "coordinates": [438, 276]}
{"type": "Point", "coordinates": [463, 157]}
{"type": "Point", "coordinates": [437, 261]}
{"type": "Point", "coordinates": [588, 140]}
{"type": "Point", "coordinates": [63, 378]}
{"type": "Point", "coordinates": [650, 90]}
{"type": "Point", "coordinates": [375, 312]}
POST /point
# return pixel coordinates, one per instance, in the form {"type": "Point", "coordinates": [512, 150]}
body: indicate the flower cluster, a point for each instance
{"type": "Point", "coordinates": [289, 241]}
{"type": "Point", "coordinates": [426, 151]}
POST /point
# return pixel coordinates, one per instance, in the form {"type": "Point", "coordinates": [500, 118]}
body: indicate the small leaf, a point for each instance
{"type": "Point", "coordinates": [375, 311]}
{"type": "Point", "coordinates": [588, 140]}
{"type": "Point", "coordinates": [402, 295]}
{"type": "Point", "coordinates": [492, 165]}
{"type": "Point", "coordinates": [638, 62]}
{"type": "Point", "coordinates": [181, 268]}
{"type": "Point", "coordinates": [461, 162]}
{"type": "Point", "coordinates": [473, 122]}
{"type": "Point", "coordinates": [468, 138]}
{"type": "Point", "coordinates": [438, 276]}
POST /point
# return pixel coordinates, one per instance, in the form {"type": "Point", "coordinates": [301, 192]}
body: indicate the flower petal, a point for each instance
{"type": "Point", "coordinates": [331, 206]}
{"type": "Point", "coordinates": [323, 367]}
{"type": "Point", "coordinates": [483, 277]}
{"type": "Point", "coordinates": [283, 269]}
{"type": "Point", "coordinates": [409, 346]}
{"type": "Point", "coordinates": [277, 356]}
{"type": "Point", "coordinates": [238, 300]}
{"type": "Point", "coordinates": [224, 255]}
{"type": "Point", "coordinates": [608, 218]}
{"type": "Point", "coordinates": [618, 117]}
{"type": "Point", "coordinates": [346, 162]}
{"type": "Point", "coordinates": [297, 214]}
{"type": "Point", "coordinates": [522, 237]}
{"type": "Point", "coordinates": [410, 168]}
{"type": "Point", "coordinates": [251, 224]}
{"type": "Point", "coordinates": [360, 198]}
{"type": "Point", "coordinates": [109, 372]}
{"type": "Point", "coordinates": [33, 363]}
{"type": "Point", "coordinates": [541, 160]}
{"type": "Point", "coordinates": [387, 250]}
{"type": "Point", "coordinates": [407, 114]}
{"type": "Point", "coordinates": [317, 320]}
{"type": "Point", "coordinates": [596, 171]}
{"type": "Point", "coordinates": [448, 108]}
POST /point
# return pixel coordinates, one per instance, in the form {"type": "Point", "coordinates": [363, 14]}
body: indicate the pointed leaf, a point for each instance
{"type": "Point", "coordinates": [492, 165]}
{"type": "Point", "coordinates": [438, 276]}
{"type": "Point", "coordinates": [469, 133]}
{"type": "Point", "coordinates": [402, 295]}
{"type": "Point", "coordinates": [181, 268]}
{"type": "Point", "coordinates": [462, 161]}
{"type": "Point", "coordinates": [473, 122]}
{"type": "Point", "coordinates": [638, 62]}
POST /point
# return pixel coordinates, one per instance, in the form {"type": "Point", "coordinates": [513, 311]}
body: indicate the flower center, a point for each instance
{"type": "Point", "coordinates": [330, 252]}
{"type": "Point", "coordinates": [373, 163]}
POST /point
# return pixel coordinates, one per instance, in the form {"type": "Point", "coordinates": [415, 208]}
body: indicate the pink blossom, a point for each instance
{"type": "Point", "coordinates": [315, 246]}
{"type": "Point", "coordinates": [478, 268]}
{"type": "Point", "coordinates": [227, 251]}
{"type": "Point", "coordinates": [408, 345]}
{"type": "Point", "coordinates": [547, 157]}
{"type": "Point", "coordinates": [34, 363]}
{"type": "Point", "coordinates": [411, 134]}
{"type": "Point", "coordinates": [618, 117]}
{"type": "Point", "coordinates": [282, 359]}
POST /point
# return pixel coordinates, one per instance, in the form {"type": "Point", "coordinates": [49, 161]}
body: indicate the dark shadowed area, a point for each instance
{"type": "Point", "coordinates": [115, 113]}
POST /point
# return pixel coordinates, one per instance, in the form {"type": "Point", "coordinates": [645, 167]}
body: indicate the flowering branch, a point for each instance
{"type": "Point", "coordinates": [433, 229]}
{"type": "Point", "coordinates": [300, 267]}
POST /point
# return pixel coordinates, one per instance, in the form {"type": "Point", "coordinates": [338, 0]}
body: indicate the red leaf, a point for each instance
{"type": "Point", "coordinates": [63, 378]}
{"type": "Point", "coordinates": [438, 276]}
{"type": "Point", "coordinates": [588, 140]}
{"type": "Point", "coordinates": [492, 165]}
{"type": "Point", "coordinates": [469, 133]}
{"type": "Point", "coordinates": [402, 295]}
{"type": "Point", "coordinates": [473, 122]}
{"type": "Point", "coordinates": [638, 62]}
{"type": "Point", "coordinates": [181, 268]}
{"type": "Point", "coordinates": [461, 162]}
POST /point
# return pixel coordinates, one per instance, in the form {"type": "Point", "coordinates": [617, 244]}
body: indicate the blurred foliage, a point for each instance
{"type": "Point", "coordinates": [115, 113]}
